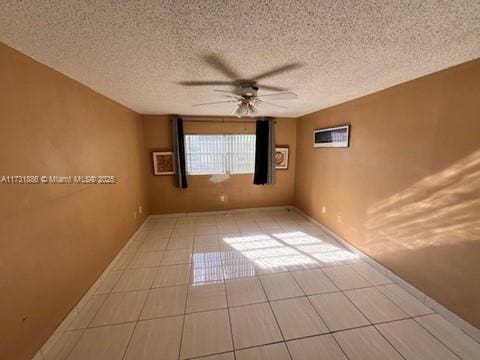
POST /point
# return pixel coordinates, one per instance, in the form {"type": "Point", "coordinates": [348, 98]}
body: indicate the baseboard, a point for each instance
{"type": "Point", "coordinates": [71, 315]}
{"type": "Point", "coordinates": [460, 323]}
{"type": "Point", "coordinates": [224, 212]}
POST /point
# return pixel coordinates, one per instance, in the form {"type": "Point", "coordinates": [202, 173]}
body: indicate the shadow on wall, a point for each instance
{"type": "Point", "coordinates": [442, 209]}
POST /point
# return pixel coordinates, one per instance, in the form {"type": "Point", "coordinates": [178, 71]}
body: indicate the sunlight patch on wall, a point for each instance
{"type": "Point", "coordinates": [440, 209]}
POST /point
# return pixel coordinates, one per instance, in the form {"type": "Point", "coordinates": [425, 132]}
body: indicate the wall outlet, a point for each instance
{"type": "Point", "coordinates": [134, 214]}
{"type": "Point", "coordinates": [324, 209]}
{"type": "Point", "coordinates": [339, 218]}
{"type": "Point", "coordinates": [222, 198]}
{"type": "Point", "coordinates": [139, 209]}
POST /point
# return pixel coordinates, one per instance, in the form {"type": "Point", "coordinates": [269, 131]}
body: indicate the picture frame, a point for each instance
{"type": "Point", "coordinates": [334, 137]}
{"type": "Point", "coordinates": [281, 157]}
{"type": "Point", "coordinates": [163, 163]}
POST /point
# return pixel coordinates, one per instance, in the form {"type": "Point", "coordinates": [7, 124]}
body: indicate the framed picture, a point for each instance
{"type": "Point", "coordinates": [336, 137]}
{"type": "Point", "coordinates": [281, 157]}
{"type": "Point", "coordinates": [163, 163]}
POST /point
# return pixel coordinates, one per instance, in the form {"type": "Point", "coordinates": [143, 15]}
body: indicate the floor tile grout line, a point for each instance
{"type": "Point", "coordinates": [184, 314]}
{"type": "Point", "coordinates": [345, 292]}
{"type": "Point", "coordinates": [143, 305]}
{"type": "Point", "coordinates": [408, 317]}
{"type": "Point", "coordinates": [378, 287]}
{"type": "Point", "coordinates": [388, 341]}
{"type": "Point", "coordinates": [435, 313]}
{"type": "Point", "coordinates": [229, 319]}
{"type": "Point", "coordinates": [437, 338]}
{"type": "Point", "coordinates": [275, 317]}
{"type": "Point", "coordinates": [76, 343]}
{"type": "Point", "coordinates": [372, 324]}
{"type": "Point", "coordinates": [361, 312]}
{"type": "Point", "coordinates": [86, 328]}
{"type": "Point", "coordinates": [254, 276]}
{"type": "Point", "coordinates": [140, 313]}
{"type": "Point", "coordinates": [264, 302]}
{"type": "Point", "coordinates": [286, 341]}
{"type": "Point", "coordinates": [186, 296]}
{"type": "Point", "coordinates": [113, 286]}
{"type": "Point", "coordinates": [316, 311]}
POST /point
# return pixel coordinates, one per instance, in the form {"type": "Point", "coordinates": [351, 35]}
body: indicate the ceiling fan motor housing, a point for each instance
{"type": "Point", "coordinates": [249, 90]}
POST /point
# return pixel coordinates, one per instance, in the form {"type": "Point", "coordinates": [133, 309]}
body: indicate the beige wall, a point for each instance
{"type": "Point", "coordinates": [407, 190]}
{"type": "Point", "coordinates": [55, 240]}
{"type": "Point", "coordinates": [203, 194]}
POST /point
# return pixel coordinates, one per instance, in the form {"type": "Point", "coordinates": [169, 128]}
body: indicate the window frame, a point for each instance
{"type": "Point", "coordinates": [225, 166]}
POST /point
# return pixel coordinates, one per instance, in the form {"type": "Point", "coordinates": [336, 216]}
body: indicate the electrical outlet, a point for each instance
{"type": "Point", "coordinates": [339, 218]}
{"type": "Point", "coordinates": [222, 198]}
{"type": "Point", "coordinates": [324, 209]}
{"type": "Point", "coordinates": [134, 214]}
{"type": "Point", "coordinates": [139, 209]}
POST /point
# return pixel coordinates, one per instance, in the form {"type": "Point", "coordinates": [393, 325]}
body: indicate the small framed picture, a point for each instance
{"type": "Point", "coordinates": [163, 163]}
{"type": "Point", "coordinates": [281, 157]}
{"type": "Point", "coordinates": [336, 137]}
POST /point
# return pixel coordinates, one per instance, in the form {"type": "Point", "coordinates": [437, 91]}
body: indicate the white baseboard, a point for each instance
{"type": "Point", "coordinates": [71, 315]}
{"type": "Point", "coordinates": [439, 308]}
{"type": "Point", "coordinates": [224, 212]}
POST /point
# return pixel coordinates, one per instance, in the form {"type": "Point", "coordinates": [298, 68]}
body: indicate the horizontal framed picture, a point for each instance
{"type": "Point", "coordinates": [163, 163]}
{"type": "Point", "coordinates": [336, 137]}
{"type": "Point", "coordinates": [281, 157]}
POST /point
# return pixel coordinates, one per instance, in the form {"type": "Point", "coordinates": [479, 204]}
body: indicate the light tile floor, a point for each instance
{"type": "Point", "coordinates": [264, 285]}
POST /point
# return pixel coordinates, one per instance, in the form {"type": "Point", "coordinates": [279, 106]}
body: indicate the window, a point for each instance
{"type": "Point", "coordinates": [220, 154]}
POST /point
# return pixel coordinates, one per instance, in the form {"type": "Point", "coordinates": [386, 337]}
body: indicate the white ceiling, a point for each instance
{"type": "Point", "coordinates": [136, 52]}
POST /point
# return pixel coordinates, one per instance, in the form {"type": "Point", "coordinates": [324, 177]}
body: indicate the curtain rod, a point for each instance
{"type": "Point", "coordinates": [220, 121]}
{"type": "Point", "coordinates": [239, 121]}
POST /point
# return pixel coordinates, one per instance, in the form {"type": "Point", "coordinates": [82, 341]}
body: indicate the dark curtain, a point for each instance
{"type": "Point", "coordinates": [265, 153]}
{"type": "Point", "coordinates": [179, 151]}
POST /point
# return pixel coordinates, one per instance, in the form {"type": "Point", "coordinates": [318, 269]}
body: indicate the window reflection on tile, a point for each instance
{"type": "Point", "coordinates": [245, 238]}
{"type": "Point", "coordinates": [285, 261]}
{"type": "Point", "coordinates": [207, 259]}
{"type": "Point", "coordinates": [317, 248]}
{"type": "Point", "coordinates": [238, 270]}
{"type": "Point", "coordinates": [336, 257]}
{"type": "Point", "coordinates": [251, 245]}
{"type": "Point", "coordinates": [270, 252]}
{"type": "Point", "coordinates": [204, 275]}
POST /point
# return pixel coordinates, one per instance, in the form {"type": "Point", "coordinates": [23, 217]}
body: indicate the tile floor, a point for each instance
{"type": "Point", "coordinates": [265, 285]}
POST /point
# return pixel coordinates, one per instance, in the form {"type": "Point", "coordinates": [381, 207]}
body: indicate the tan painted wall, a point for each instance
{"type": "Point", "coordinates": [55, 240]}
{"type": "Point", "coordinates": [203, 194]}
{"type": "Point", "coordinates": [408, 188]}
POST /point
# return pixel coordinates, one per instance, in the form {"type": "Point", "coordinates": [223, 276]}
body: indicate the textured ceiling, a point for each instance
{"type": "Point", "coordinates": [136, 52]}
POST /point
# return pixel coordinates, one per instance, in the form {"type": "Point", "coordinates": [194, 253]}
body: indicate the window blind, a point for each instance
{"type": "Point", "coordinates": [220, 154]}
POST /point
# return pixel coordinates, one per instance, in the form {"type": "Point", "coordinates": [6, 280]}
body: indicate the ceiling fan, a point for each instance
{"type": "Point", "coordinates": [245, 95]}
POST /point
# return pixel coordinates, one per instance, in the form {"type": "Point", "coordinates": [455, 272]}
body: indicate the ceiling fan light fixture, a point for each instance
{"type": "Point", "coordinates": [244, 109]}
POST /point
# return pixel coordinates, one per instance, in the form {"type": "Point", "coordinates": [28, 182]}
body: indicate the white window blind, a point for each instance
{"type": "Point", "coordinates": [220, 154]}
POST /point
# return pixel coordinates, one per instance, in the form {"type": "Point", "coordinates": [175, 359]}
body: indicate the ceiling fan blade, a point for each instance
{"type": "Point", "coordinates": [272, 88]}
{"type": "Point", "coordinates": [229, 94]}
{"type": "Point", "coordinates": [217, 63]}
{"type": "Point", "coordinates": [216, 102]}
{"type": "Point", "coordinates": [269, 103]}
{"type": "Point", "coordinates": [204, 83]}
{"type": "Point", "coordinates": [277, 71]}
{"type": "Point", "coordinates": [280, 96]}
{"type": "Point", "coordinates": [225, 91]}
